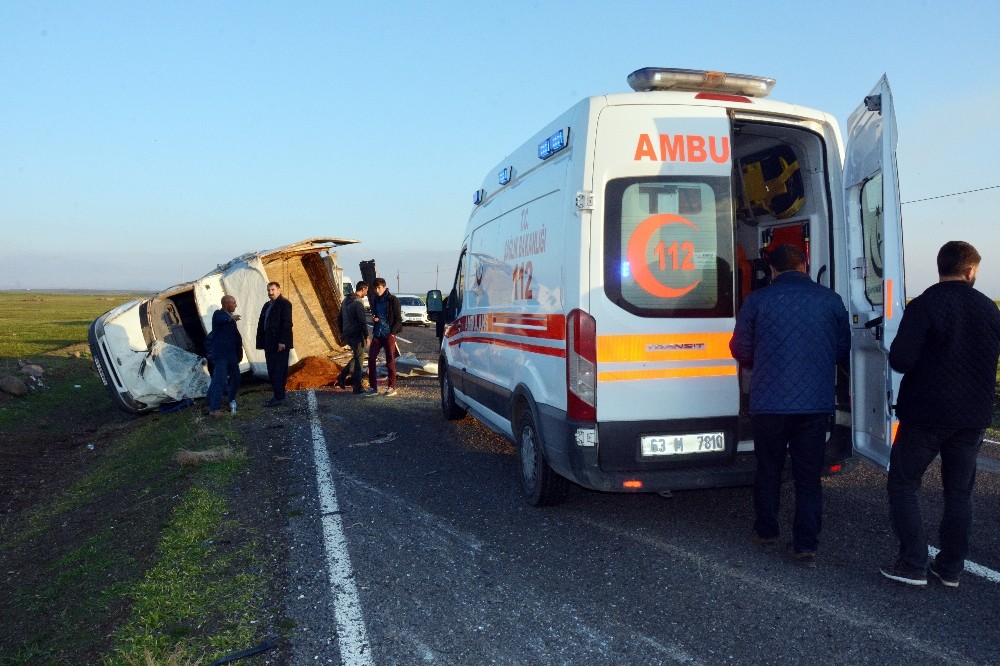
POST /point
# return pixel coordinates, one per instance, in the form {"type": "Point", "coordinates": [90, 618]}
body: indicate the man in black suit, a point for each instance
{"type": "Point", "coordinates": [274, 336]}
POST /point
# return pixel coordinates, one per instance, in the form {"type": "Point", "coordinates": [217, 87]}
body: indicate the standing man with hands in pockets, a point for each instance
{"type": "Point", "coordinates": [274, 336]}
{"type": "Point", "coordinates": [792, 334]}
{"type": "Point", "coordinates": [387, 321]}
{"type": "Point", "coordinates": [947, 348]}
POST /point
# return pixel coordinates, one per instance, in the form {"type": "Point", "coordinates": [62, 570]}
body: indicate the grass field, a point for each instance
{"type": "Point", "coordinates": [111, 551]}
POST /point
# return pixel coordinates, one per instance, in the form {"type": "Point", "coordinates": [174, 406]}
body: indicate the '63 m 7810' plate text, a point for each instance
{"type": "Point", "coordinates": [679, 445]}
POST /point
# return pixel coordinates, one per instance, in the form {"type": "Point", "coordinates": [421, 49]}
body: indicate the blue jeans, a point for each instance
{"type": "Point", "coordinates": [225, 379]}
{"type": "Point", "coordinates": [915, 449]}
{"type": "Point", "coordinates": [803, 437]}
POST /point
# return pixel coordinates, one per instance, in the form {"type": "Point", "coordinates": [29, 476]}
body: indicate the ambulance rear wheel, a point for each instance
{"type": "Point", "coordinates": [541, 485]}
{"type": "Point", "coordinates": [449, 407]}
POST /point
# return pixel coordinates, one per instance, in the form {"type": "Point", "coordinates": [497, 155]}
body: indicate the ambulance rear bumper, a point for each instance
{"type": "Point", "coordinates": [616, 458]}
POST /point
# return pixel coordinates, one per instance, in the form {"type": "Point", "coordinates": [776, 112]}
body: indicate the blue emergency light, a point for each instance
{"type": "Point", "coordinates": [553, 144]}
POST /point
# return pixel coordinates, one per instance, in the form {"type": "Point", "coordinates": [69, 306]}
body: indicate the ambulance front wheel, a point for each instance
{"type": "Point", "coordinates": [449, 407]}
{"type": "Point", "coordinates": [541, 485]}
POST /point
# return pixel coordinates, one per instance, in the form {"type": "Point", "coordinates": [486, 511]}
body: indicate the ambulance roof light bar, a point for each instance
{"type": "Point", "coordinates": [697, 80]}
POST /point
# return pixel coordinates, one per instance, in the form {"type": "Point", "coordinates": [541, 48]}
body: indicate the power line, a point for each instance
{"type": "Point", "coordinates": [954, 194]}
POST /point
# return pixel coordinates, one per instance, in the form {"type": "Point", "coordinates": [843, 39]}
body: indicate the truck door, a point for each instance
{"type": "Point", "coordinates": [876, 291]}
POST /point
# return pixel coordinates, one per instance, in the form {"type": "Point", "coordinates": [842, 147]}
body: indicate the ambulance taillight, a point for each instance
{"type": "Point", "coordinates": [581, 366]}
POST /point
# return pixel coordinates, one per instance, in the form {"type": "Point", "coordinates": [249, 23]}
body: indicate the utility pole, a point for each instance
{"type": "Point", "coordinates": [397, 280]}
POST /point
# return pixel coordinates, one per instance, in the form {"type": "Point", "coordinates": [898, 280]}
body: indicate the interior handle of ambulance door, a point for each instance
{"type": "Point", "coordinates": [876, 323]}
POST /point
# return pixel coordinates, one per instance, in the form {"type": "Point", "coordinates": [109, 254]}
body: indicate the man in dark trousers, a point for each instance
{"type": "Point", "coordinates": [792, 334]}
{"type": "Point", "coordinates": [387, 321]}
{"type": "Point", "coordinates": [227, 351]}
{"type": "Point", "coordinates": [354, 328]}
{"type": "Point", "coordinates": [947, 348]}
{"type": "Point", "coordinates": [274, 336]}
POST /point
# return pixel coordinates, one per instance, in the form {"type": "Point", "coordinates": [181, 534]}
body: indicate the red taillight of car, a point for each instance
{"type": "Point", "coordinates": [581, 366]}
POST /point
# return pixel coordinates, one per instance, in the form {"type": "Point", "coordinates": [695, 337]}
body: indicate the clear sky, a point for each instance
{"type": "Point", "coordinates": [142, 143]}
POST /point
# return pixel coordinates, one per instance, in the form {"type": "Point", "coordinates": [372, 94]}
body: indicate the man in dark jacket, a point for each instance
{"type": "Point", "coordinates": [947, 348]}
{"type": "Point", "coordinates": [354, 328]}
{"type": "Point", "coordinates": [226, 352]}
{"type": "Point", "coordinates": [387, 321]}
{"type": "Point", "coordinates": [274, 336]}
{"type": "Point", "coordinates": [792, 334]}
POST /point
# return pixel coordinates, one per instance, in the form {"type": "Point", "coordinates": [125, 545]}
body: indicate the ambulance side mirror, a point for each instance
{"type": "Point", "coordinates": [435, 304]}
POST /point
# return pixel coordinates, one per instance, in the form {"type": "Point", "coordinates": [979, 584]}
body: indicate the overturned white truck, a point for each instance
{"type": "Point", "coordinates": [151, 352]}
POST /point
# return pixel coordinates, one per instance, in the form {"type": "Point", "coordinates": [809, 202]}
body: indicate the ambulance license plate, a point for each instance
{"type": "Point", "coordinates": [679, 445]}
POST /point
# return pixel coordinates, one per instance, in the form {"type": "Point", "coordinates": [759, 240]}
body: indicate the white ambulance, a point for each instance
{"type": "Point", "coordinates": [605, 261]}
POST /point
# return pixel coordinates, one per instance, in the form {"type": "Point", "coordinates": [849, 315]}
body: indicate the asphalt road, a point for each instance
{"type": "Point", "coordinates": [414, 546]}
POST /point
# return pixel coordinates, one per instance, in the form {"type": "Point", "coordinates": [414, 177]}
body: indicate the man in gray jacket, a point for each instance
{"type": "Point", "coordinates": [354, 328]}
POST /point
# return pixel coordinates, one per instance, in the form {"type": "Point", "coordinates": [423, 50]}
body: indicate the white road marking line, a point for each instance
{"type": "Point", "coordinates": [848, 615]}
{"type": "Point", "coordinates": [973, 568]}
{"type": "Point", "coordinates": [351, 634]}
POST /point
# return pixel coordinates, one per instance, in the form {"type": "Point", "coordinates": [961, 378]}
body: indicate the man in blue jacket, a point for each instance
{"type": "Point", "coordinates": [947, 349]}
{"type": "Point", "coordinates": [226, 353]}
{"type": "Point", "coordinates": [792, 334]}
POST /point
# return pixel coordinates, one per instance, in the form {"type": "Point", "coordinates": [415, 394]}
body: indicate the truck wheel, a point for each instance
{"type": "Point", "coordinates": [449, 407]}
{"type": "Point", "coordinates": [541, 485]}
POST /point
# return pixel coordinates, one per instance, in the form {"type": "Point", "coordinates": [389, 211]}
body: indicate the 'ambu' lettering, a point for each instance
{"type": "Point", "coordinates": [683, 148]}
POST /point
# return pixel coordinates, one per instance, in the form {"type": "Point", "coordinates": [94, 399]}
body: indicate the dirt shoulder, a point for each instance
{"type": "Point", "coordinates": [87, 493]}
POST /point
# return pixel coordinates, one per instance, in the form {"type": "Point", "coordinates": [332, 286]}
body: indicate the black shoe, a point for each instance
{"type": "Point", "coordinates": [946, 580]}
{"type": "Point", "coordinates": [340, 383]}
{"type": "Point", "coordinates": [765, 545]}
{"type": "Point", "coordinates": [805, 559]}
{"type": "Point", "coordinates": [274, 402]}
{"type": "Point", "coordinates": [905, 576]}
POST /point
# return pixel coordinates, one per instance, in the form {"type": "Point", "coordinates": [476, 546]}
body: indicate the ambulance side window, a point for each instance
{"type": "Point", "coordinates": [459, 290]}
{"type": "Point", "coordinates": [669, 246]}
{"type": "Point", "coordinates": [872, 228]}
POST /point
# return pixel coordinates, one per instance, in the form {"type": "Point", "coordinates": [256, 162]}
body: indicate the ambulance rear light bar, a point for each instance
{"type": "Point", "coordinates": [697, 80]}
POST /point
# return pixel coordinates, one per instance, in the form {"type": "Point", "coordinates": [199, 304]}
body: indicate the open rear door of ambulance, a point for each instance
{"type": "Point", "coordinates": [876, 292]}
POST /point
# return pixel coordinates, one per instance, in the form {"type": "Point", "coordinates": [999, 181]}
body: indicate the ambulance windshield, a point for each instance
{"type": "Point", "coordinates": [668, 246]}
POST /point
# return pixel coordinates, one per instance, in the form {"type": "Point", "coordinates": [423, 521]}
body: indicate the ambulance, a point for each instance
{"type": "Point", "coordinates": [606, 259]}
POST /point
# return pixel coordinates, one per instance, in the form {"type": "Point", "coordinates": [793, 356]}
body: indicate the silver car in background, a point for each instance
{"type": "Point", "coordinates": [413, 309]}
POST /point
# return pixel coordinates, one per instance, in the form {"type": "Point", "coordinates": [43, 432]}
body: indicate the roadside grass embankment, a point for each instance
{"type": "Point", "coordinates": [119, 543]}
